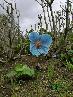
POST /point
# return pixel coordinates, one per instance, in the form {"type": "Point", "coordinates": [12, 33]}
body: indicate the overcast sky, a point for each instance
{"type": "Point", "coordinates": [29, 10]}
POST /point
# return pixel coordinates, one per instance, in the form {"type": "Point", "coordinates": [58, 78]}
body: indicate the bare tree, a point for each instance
{"type": "Point", "coordinates": [10, 35]}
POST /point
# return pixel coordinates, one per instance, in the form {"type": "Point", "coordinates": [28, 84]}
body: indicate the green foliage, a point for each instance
{"type": "Point", "coordinates": [68, 56]}
{"type": "Point", "coordinates": [11, 73]}
{"type": "Point", "coordinates": [19, 45]}
{"type": "Point", "coordinates": [43, 30]}
{"type": "Point", "coordinates": [70, 52]}
{"type": "Point", "coordinates": [27, 43]}
{"type": "Point", "coordinates": [67, 59]}
{"type": "Point", "coordinates": [61, 40]}
{"type": "Point", "coordinates": [60, 84]}
{"type": "Point", "coordinates": [72, 59]}
{"type": "Point", "coordinates": [19, 70]}
{"type": "Point", "coordinates": [50, 71]}
{"type": "Point", "coordinates": [13, 95]}
{"type": "Point", "coordinates": [56, 86]}
{"type": "Point", "coordinates": [62, 56]}
{"type": "Point", "coordinates": [17, 48]}
{"type": "Point", "coordinates": [24, 70]}
{"type": "Point", "coordinates": [69, 66]}
{"type": "Point", "coordinates": [70, 37]}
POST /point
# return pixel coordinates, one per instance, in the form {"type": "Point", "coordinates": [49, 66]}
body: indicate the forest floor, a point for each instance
{"type": "Point", "coordinates": [58, 84]}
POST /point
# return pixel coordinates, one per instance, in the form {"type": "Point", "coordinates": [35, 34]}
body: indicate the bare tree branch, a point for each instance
{"type": "Point", "coordinates": [67, 16]}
